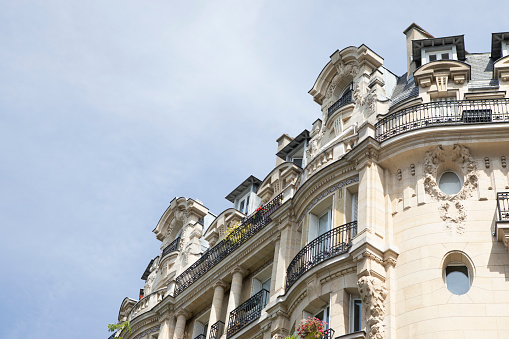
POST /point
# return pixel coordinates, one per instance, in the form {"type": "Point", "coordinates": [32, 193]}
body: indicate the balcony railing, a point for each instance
{"type": "Point", "coordinates": [442, 113]}
{"type": "Point", "coordinates": [201, 336]}
{"type": "Point", "coordinates": [330, 244]}
{"type": "Point", "coordinates": [344, 100]}
{"type": "Point", "coordinates": [171, 247]}
{"type": "Point", "coordinates": [217, 330]}
{"type": "Point", "coordinates": [247, 312]}
{"type": "Point", "coordinates": [503, 206]}
{"type": "Point", "coordinates": [249, 227]}
{"type": "Point", "coordinates": [328, 334]}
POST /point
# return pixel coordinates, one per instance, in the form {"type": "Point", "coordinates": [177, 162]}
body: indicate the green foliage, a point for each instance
{"type": "Point", "coordinates": [293, 336]}
{"type": "Point", "coordinates": [120, 327]}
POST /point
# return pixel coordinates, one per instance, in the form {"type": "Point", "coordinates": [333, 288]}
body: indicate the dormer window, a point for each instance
{"type": "Point", "coordinates": [442, 53]}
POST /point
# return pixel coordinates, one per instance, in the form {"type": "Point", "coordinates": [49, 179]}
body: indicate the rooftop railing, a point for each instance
{"type": "Point", "coordinates": [330, 244]}
{"type": "Point", "coordinates": [503, 206]}
{"type": "Point", "coordinates": [171, 247]}
{"type": "Point", "coordinates": [249, 227]}
{"type": "Point", "coordinates": [247, 312]}
{"type": "Point", "coordinates": [461, 112]}
{"type": "Point", "coordinates": [343, 101]}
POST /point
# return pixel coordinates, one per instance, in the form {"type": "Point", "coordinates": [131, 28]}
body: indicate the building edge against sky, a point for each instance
{"type": "Point", "coordinates": [389, 218]}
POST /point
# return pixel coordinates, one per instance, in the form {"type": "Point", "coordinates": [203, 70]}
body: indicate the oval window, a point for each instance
{"type": "Point", "coordinates": [457, 279]}
{"type": "Point", "coordinates": [450, 183]}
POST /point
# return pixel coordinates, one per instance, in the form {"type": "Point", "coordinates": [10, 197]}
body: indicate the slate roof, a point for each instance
{"type": "Point", "coordinates": [481, 71]}
{"type": "Point", "coordinates": [481, 79]}
{"type": "Point", "coordinates": [404, 90]}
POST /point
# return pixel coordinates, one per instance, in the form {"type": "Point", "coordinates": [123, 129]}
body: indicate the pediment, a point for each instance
{"type": "Point", "coordinates": [427, 74]}
{"type": "Point", "coordinates": [343, 67]}
{"type": "Point", "coordinates": [501, 69]}
{"type": "Point", "coordinates": [181, 212]}
{"type": "Point", "coordinates": [125, 308]}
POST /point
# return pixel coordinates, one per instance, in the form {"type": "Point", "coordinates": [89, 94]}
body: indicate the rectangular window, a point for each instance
{"type": "Point", "coordinates": [247, 206]}
{"type": "Point", "coordinates": [324, 223]}
{"type": "Point", "coordinates": [355, 315]}
{"type": "Point", "coordinates": [355, 202]}
{"type": "Point", "coordinates": [241, 208]}
{"type": "Point", "coordinates": [324, 315]}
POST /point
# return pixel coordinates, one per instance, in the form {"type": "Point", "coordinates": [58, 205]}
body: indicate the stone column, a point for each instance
{"type": "Point", "coordinates": [217, 302]}
{"type": "Point", "coordinates": [180, 327]}
{"type": "Point", "coordinates": [235, 290]}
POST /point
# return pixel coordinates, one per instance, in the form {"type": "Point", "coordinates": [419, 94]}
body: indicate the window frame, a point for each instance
{"type": "Point", "coordinates": [438, 51]}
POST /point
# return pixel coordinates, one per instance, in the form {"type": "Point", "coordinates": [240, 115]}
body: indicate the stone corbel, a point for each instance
{"type": "Point", "coordinates": [439, 72]}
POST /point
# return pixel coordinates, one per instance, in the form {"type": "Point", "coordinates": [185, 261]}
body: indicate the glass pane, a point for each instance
{"type": "Point", "coordinates": [445, 56]}
{"type": "Point", "coordinates": [357, 315]}
{"type": "Point", "coordinates": [449, 183]}
{"type": "Point", "coordinates": [456, 278]}
{"type": "Point", "coordinates": [323, 224]}
{"type": "Point", "coordinates": [432, 57]}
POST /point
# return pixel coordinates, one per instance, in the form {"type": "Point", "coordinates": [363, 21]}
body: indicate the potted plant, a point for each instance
{"type": "Point", "coordinates": [311, 328]}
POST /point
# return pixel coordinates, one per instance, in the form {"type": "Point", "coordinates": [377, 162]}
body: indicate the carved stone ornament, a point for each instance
{"type": "Point", "coordinates": [452, 210]}
{"type": "Point", "coordinates": [373, 294]}
{"type": "Point", "coordinates": [350, 68]}
{"type": "Point", "coordinates": [362, 96]}
{"type": "Point", "coordinates": [149, 284]}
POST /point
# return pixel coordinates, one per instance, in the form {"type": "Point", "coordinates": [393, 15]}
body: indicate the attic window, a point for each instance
{"type": "Point", "coordinates": [442, 53]}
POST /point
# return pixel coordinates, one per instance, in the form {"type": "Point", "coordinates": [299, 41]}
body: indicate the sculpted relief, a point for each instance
{"type": "Point", "coordinates": [373, 294]}
{"type": "Point", "coordinates": [458, 158]}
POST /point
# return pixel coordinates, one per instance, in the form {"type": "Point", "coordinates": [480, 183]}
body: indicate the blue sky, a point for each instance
{"type": "Point", "coordinates": [110, 109]}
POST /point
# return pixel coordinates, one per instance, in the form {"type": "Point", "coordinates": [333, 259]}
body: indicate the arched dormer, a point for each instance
{"type": "Point", "coordinates": [435, 76]}
{"type": "Point", "coordinates": [280, 178]}
{"type": "Point", "coordinates": [180, 213]}
{"type": "Point", "coordinates": [125, 308]}
{"type": "Point", "coordinates": [341, 70]}
{"type": "Point", "coordinates": [217, 229]}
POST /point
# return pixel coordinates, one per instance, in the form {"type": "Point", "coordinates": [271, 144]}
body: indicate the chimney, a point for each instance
{"type": "Point", "coordinates": [413, 32]}
{"type": "Point", "coordinates": [282, 141]}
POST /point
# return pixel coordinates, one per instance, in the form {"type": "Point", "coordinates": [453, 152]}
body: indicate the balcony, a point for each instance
{"type": "Point", "coordinates": [174, 246]}
{"type": "Point", "coordinates": [343, 101]}
{"type": "Point", "coordinates": [249, 227]}
{"type": "Point", "coordinates": [503, 206]}
{"type": "Point", "coordinates": [217, 330]}
{"type": "Point", "coordinates": [247, 312]}
{"type": "Point", "coordinates": [354, 335]}
{"type": "Point", "coordinates": [442, 113]}
{"type": "Point", "coordinates": [328, 245]}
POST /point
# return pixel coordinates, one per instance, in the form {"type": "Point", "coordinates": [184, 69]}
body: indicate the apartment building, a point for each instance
{"type": "Point", "coordinates": [388, 218]}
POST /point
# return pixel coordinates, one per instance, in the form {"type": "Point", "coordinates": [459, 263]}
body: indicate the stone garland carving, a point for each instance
{"type": "Point", "coordinates": [373, 294]}
{"type": "Point", "coordinates": [363, 96]}
{"type": "Point", "coordinates": [451, 210]}
{"type": "Point", "coordinates": [149, 284]}
{"type": "Point", "coordinates": [326, 193]}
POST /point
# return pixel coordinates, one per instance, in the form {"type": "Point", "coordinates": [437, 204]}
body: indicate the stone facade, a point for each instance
{"type": "Point", "coordinates": [387, 220]}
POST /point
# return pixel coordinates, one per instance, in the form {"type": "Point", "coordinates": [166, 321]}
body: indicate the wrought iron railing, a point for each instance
{"type": "Point", "coordinates": [330, 244]}
{"type": "Point", "coordinates": [174, 246]}
{"type": "Point", "coordinates": [503, 206]}
{"type": "Point", "coordinates": [217, 330]}
{"type": "Point", "coordinates": [247, 312]}
{"type": "Point", "coordinates": [442, 113]}
{"type": "Point", "coordinates": [201, 336]}
{"type": "Point", "coordinates": [249, 227]}
{"type": "Point", "coordinates": [328, 334]}
{"type": "Point", "coordinates": [344, 100]}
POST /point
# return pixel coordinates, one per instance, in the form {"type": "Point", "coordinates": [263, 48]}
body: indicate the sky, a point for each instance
{"type": "Point", "coordinates": [110, 109]}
